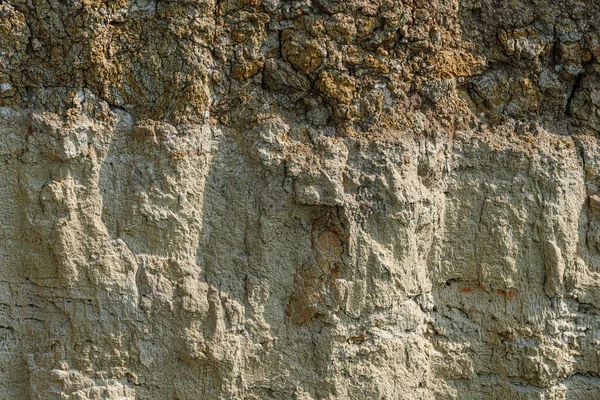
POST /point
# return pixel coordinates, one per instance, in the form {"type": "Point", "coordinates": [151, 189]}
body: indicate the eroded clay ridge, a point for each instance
{"type": "Point", "coordinates": [308, 200]}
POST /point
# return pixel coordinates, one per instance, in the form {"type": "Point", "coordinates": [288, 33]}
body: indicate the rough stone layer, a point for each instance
{"type": "Point", "coordinates": [295, 199]}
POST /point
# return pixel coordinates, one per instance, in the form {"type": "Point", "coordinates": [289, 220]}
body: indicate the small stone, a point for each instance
{"type": "Point", "coordinates": [5, 87]}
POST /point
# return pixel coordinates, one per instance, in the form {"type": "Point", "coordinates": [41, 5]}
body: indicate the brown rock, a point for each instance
{"type": "Point", "coordinates": [301, 51]}
{"type": "Point", "coordinates": [337, 86]}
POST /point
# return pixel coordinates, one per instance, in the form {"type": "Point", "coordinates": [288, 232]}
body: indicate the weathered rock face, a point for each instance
{"type": "Point", "coordinates": [265, 199]}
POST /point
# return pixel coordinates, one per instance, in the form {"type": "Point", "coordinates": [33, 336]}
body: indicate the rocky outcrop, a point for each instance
{"type": "Point", "coordinates": [299, 199]}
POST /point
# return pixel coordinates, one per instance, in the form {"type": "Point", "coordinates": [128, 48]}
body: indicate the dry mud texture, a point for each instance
{"type": "Point", "coordinates": [326, 199]}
